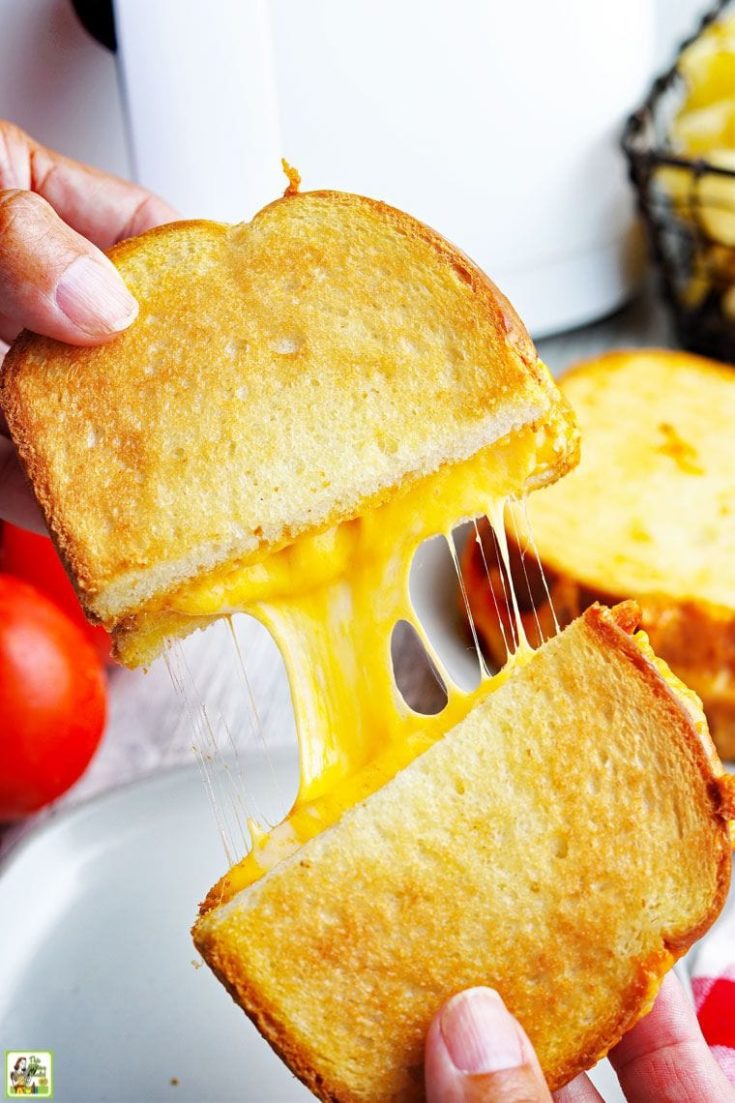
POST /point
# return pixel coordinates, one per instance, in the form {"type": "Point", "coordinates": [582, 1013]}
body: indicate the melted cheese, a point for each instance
{"type": "Point", "coordinates": [331, 602]}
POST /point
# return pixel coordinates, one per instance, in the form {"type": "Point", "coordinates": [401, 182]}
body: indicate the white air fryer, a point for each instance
{"type": "Point", "coordinates": [495, 121]}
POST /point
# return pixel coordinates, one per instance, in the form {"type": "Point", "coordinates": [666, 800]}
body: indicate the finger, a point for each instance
{"type": "Point", "coordinates": [664, 1057]}
{"type": "Point", "coordinates": [17, 503]}
{"type": "Point", "coordinates": [52, 280]}
{"type": "Point", "coordinates": [580, 1090]}
{"type": "Point", "coordinates": [101, 207]}
{"type": "Point", "coordinates": [476, 1052]}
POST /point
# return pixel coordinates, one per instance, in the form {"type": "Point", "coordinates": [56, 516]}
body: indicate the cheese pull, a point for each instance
{"type": "Point", "coordinates": [331, 602]}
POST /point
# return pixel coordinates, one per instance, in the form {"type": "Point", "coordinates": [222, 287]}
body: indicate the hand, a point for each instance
{"type": "Point", "coordinates": [476, 1052]}
{"type": "Point", "coordinates": [55, 217]}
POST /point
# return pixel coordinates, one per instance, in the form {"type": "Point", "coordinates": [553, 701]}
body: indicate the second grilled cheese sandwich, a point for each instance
{"type": "Point", "coordinates": [649, 514]}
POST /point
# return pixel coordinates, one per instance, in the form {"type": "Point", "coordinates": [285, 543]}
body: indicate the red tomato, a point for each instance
{"type": "Point", "coordinates": [34, 558]}
{"type": "Point", "coordinates": [52, 700]}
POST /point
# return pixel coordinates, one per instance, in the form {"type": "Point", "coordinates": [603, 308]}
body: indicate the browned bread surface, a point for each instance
{"type": "Point", "coordinates": [512, 853]}
{"type": "Point", "coordinates": [280, 375]}
{"type": "Point", "coordinates": [649, 514]}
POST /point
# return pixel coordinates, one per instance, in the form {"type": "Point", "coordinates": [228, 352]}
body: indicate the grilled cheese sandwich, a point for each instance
{"type": "Point", "coordinates": [301, 402]}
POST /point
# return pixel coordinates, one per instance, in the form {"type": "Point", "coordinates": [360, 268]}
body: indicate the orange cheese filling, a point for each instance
{"type": "Point", "coordinates": [331, 602]}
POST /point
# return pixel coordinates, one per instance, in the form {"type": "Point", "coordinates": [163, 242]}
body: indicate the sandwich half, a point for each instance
{"type": "Point", "coordinates": [282, 376]}
{"type": "Point", "coordinates": [565, 847]}
{"type": "Point", "coordinates": [649, 514]}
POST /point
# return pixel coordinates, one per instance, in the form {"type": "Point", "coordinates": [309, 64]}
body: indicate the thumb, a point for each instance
{"type": "Point", "coordinates": [476, 1052]}
{"type": "Point", "coordinates": [52, 280]}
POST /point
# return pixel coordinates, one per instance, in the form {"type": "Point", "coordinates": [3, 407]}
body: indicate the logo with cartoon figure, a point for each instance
{"type": "Point", "coordinates": [29, 1073]}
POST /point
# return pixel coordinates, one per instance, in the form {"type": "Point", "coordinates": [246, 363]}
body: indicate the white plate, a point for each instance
{"type": "Point", "coordinates": [96, 958]}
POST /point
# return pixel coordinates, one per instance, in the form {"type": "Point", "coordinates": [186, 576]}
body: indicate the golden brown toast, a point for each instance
{"type": "Point", "coordinates": [563, 847]}
{"type": "Point", "coordinates": [318, 359]}
{"type": "Point", "coordinates": [649, 514]}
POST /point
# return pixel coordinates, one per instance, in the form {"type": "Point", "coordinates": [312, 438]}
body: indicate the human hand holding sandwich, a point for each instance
{"type": "Point", "coordinates": [476, 1052]}
{"type": "Point", "coordinates": [56, 217]}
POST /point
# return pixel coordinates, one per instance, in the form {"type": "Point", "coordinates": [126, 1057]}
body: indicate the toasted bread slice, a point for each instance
{"type": "Point", "coordinates": [649, 514]}
{"type": "Point", "coordinates": [281, 376]}
{"type": "Point", "coordinates": [511, 853]}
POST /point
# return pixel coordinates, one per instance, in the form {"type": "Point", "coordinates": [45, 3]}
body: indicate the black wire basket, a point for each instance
{"type": "Point", "coordinates": [688, 207]}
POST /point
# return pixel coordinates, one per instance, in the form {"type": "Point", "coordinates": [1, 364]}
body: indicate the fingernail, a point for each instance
{"type": "Point", "coordinates": [94, 297]}
{"type": "Point", "coordinates": [480, 1035]}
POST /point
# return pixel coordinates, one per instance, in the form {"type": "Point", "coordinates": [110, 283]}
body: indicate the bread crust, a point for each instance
{"type": "Point", "coordinates": [255, 939]}
{"type": "Point", "coordinates": [122, 466]}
